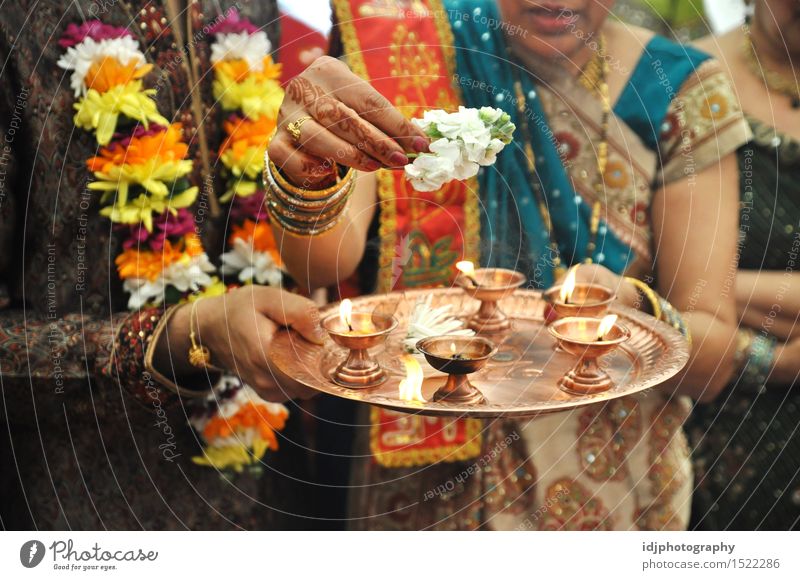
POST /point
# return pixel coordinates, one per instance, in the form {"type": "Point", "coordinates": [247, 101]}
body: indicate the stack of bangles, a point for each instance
{"type": "Point", "coordinates": [306, 212]}
{"type": "Point", "coordinates": [662, 309]}
{"type": "Point", "coordinates": [754, 356]}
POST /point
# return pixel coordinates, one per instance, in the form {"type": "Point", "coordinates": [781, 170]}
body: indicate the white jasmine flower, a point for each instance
{"type": "Point", "coordinates": [241, 45]}
{"type": "Point", "coordinates": [185, 275]}
{"type": "Point", "coordinates": [464, 141]}
{"type": "Point", "coordinates": [82, 56]}
{"type": "Point", "coordinates": [426, 321]}
{"type": "Point", "coordinates": [251, 264]}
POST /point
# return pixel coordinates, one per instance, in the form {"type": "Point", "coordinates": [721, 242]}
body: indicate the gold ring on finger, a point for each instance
{"type": "Point", "coordinates": [294, 128]}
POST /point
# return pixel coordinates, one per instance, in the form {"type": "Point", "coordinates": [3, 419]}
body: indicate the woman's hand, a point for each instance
{"type": "Point", "coordinates": [351, 124]}
{"type": "Point", "coordinates": [627, 293]}
{"type": "Point", "coordinates": [237, 328]}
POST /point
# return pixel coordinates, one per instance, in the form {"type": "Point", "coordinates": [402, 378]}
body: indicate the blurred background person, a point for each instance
{"type": "Point", "coordinates": [746, 443]}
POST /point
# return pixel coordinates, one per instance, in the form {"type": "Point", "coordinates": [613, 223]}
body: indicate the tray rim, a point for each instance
{"type": "Point", "coordinates": [668, 366]}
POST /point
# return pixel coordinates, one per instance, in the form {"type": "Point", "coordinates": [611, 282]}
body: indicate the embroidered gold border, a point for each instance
{"type": "Point", "coordinates": [387, 229]}
{"type": "Point", "coordinates": [352, 48]}
{"type": "Point", "coordinates": [470, 449]}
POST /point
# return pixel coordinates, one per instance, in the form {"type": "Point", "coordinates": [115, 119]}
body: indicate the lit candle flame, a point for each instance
{"type": "Point", "coordinates": [411, 386]}
{"type": "Point", "coordinates": [568, 285]}
{"type": "Point", "coordinates": [468, 269]}
{"type": "Point", "coordinates": [453, 347]}
{"type": "Point", "coordinates": [346, 313]}
{"type": "Point", "coordinates": [606, 325]}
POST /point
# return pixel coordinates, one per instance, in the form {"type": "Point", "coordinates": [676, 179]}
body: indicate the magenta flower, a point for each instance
{"type": "Point", "coordinates": [166, 225]}
{"type": "Point", "coordinates": [232, 23]}
{"type": "Point", "coordinates": [94, 29]}
{"type": "Point", "coordinates": [251, 207]}
{"type": "Point", "coordinates": [124, 139]}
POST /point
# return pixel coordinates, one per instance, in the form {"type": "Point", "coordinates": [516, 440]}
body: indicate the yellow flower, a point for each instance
{"type": "Point", "coordinates": [235, 457]}
{"type": "Point", "coordinates": [151, 175]}
{"type": "Point", "coordinates": [253, 96]}
{"type": "Point", "coordinates": [241, 188]}
{"type": "Point", "coordinates": [143, 207]}
{"type": "Point", "coordinates": [100, 111]}
{"type": "Point", "coordinates": [216, 288]}
{"type": "Point", "coordinates": [245, 160]}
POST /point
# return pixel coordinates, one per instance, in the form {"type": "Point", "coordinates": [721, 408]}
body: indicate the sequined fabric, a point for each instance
{"type": "Point", "coordinates": [746, 445]}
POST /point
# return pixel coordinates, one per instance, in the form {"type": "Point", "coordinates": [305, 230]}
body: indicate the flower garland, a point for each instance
{"type": "Point", "coordinates": [246, 86]}
{"type": "Point", "coordinates": [142, 173]}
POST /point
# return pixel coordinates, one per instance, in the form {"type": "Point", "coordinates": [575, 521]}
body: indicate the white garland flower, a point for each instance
{"type": "Point", "coordinates": [185, 275]}
{"type": "Point", "coordinates": [82, 56]}
{"type": "Point", "coordinates": [241, 45]}
{"type": "Point", "coordinates": [464, 141]}
{"type": "Point", "coordinates": [426, 321]}
{"type": "Point", "coordinates": [251, 264]}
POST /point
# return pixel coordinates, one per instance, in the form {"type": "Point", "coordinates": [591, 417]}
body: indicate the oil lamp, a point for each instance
{"type": "Point", "coordinates": [358, 332]}
{"type": "Point", "coordinates": [489, 285]}
{"type": "Point", "coordinates": [572, 298]}
{"type": "Point", "coordinates": [588, 339]}
{"type": "Point", "coordinates": [458, 356]}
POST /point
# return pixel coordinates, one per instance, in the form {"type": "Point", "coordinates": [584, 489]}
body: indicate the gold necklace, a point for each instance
{"type": "Point", "coordinates": [774, 81]}
{"type": "Point", "coordinates": [594, 78]}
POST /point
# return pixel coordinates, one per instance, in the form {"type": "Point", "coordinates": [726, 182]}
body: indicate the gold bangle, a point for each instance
{"type": "Point", "coordinates": [156, 375]}
{"type": "Point", "coordinates": [648, 293]}
{"type": "Point", "coordinates": [304, 231]}
{"type": "Point", "coordinates": [303, 193]}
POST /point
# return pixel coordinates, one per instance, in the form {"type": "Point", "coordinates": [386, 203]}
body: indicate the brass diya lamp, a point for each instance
{"type": "Point", "coordinates": [588, 339]}
{"type": "Point", "coordinates": [358, 331]}
{"type": "Point", "coordinates": [573, 298]}
{"type": "Point", "coordinates": [489, 285]}
{"type": "Point", "coordinates": [459, 357]}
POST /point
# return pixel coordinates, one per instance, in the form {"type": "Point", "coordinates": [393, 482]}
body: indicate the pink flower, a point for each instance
{"type": "Point", "coordinates": [248, 208]}
{"type": "Point", "coordinates": [94, 29]}
{"type": "Point", "coordinates": [231, 23]}
{"type": "Point", "coordinates": [166, 226]}
{"type": "Point", "coordinates": [124, 138]}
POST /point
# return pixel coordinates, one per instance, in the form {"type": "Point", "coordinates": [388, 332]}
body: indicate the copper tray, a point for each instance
{"type": "Point", "coordinates": [520, 380]}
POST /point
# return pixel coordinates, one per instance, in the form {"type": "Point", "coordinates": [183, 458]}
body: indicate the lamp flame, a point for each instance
{"type": "Point", "coordinates": [411, 386]}
{"type": "Point", "coordinates": [568, 286]}
{"type": "Point", "coordinates": [346, 313]}
{"type": "Point", "coordinates": [606, 325]}
{"type": "Point", "coordinates": [468, 269]}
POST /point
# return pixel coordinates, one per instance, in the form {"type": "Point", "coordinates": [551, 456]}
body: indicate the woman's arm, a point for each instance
{"type": "Point", "coordinates": [695, 221]}
{"type": "Point", "coordinates": [770, 301]}
{"type": "Point", "coordinates": [348, 122]}
{"type": "Point", "coordinates": [320, 261]}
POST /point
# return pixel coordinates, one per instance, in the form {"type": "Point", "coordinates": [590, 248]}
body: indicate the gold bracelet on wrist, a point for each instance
{"type": "Point", "coordinates": [199, 355]}
{"type": "Point", "coordinates": [648, 293]}
{"type": "Point", "coordinates": [301, 192]}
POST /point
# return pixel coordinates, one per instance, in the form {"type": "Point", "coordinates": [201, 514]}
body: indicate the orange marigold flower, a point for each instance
{"type": "Point", "coordinates": [134, 263]}
{"type": "Point", "coordinates": [238, 69]}
{"type": "Point", "coordinates": [163, 145]}
{"type": "Point", "coordinates": [260, 235]}
{"type": "Point", "coordinates": [243, 133]}
{"type": "Point", "coordinates": [249, 416]}
{"type": "Point", "coordinates": [107, 73]}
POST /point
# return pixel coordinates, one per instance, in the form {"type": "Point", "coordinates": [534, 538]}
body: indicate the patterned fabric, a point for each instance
{"type": "Point", "coordinates": [746, 446]}
{"type": "Point", "coordinates": [623, 465]}
{"type": "Point", "coordinates": [87, 454]}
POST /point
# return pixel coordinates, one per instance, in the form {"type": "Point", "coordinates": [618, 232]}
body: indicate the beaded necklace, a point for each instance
{"type": "Point", "coordinates": [594, 78]}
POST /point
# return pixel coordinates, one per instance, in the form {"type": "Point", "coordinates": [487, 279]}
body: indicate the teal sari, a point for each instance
{"type": "Point", "coordinates": [513, 230]}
